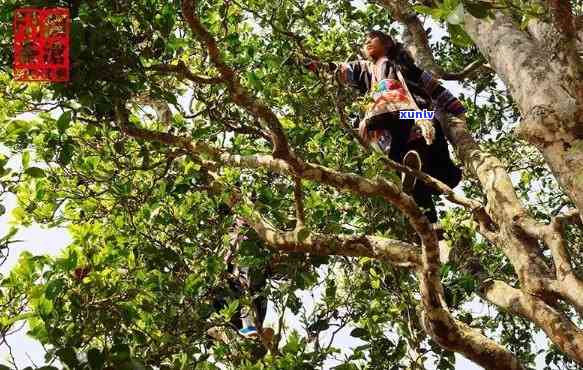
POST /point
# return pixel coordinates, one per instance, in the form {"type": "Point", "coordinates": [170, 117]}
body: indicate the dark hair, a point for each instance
{"type": "Point", "coordinates": [386, 39]}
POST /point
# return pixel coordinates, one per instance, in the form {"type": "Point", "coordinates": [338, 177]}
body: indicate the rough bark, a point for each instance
{"type": "Point", "coordinates": [547, 87]}
{"type": "Point", "coordinates": [417, 42]}
{"type": "Point", "coordinates": [555, 324]}
{"type": "Point", "coordinates": [396, 252]}
{"type": "Point", "coordinates": [550, 102]}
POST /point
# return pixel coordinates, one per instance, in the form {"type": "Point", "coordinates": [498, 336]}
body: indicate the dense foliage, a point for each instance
{"type": "Point", "coordinates": [150, 221]}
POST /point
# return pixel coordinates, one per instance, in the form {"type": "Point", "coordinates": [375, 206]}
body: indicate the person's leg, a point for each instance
{"type": "Point", "coordinates": [400, 131]}
{"type": "Point", "coordinates": [415, 154]}
{"type": "Point", "coordinates": [412, 159]}
{"type": "Point", "coordinates": [247, 315]}
{"type": "Point", "coordinates": [258, 280]}
{"type": "Point", "coordinates": [422, 193]}
{"type": "Point", "coordinates": [440, 164]}
{"type": "Point", "coordinates": [219, 302]}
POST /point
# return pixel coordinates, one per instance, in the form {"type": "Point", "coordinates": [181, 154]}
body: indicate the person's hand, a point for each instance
{"type": "Point", "coordinates": [363, 131]}
{"type": "Point", "coordinates": [458, 120]}
{"type": "Point", "coordinates": [461, 117]}
{"type": "Point", "coordinates": [344, 72]}
{"type": "Point", "coordinates": [311, 64]}
{"type": "Point", "coordinates": [427, 130]}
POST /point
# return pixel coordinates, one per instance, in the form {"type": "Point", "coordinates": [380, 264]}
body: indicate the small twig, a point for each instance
{"type": "Point", "coordinates": [30, 359]}
{"type": "Point", "coordinates": [299, 201]}
{"type": "Point", "coordinates": [182, 70]}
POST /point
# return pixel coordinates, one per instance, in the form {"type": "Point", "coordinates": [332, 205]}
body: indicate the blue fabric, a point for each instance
{"type": "Point", "coordinates": [250, 330]}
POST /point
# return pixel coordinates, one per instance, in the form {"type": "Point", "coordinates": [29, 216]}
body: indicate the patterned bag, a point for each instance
{"type": "Point", "coordinates": [391, 96]}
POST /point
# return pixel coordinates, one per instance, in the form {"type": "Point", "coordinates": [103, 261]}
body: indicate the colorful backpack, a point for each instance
{"type": "Point", "coordinates": [391, 95]}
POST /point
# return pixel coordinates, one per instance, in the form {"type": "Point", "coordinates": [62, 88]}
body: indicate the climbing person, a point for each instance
{"type": "Point", "coordinates": [241, 281]}
{"type": "Point", "coordinates": [397, 85]}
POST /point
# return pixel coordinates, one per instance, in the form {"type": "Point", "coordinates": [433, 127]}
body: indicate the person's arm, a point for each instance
{"type": "Point", "coordinates": [443, 97]}
{"type": "Point", "coordinates": [353, 74]}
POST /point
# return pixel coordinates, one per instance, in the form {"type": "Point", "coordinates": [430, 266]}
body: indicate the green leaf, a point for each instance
{"type": "Point", "coordinates": [293, 344]}
{"type": "Point", "coordinates": [131, 260]}
{"type": "Point", "coordinates": [10, 234]}
{"type": "Point", "coordinates": [68, 356]}
{"type": "Point", "coordinates": [121, 352]}
{"type": "Point", "coordinates": [477, 10]}
{"type": "Point", "coordinates": [457, 15]}
{"type": "Point", "coordinates": [458, 36]}
{"type": "Point", "coordinates": [193, 284]}
{"type": "Point", "coordinates": [44, 307]}
{"type": "Point", "coordinates": [450, 5]}
{"type": "Point", "coordinates": [423, 9]}
{"type": "Point", "coordinates": [359, 333]}
{"type": "Point", "coordinates": [25, 159]}
{"type": "Point", "coordinates": [64, 121]}
{"type": "Point", "coordinates": [35, 172]}
{"type": "Point", "coordinates": [95, 358]}
{"type": "Point", "coordinates": [319, 325]}
{"type": "Point", "coordinates": [303, 234]}
{"type": "Point", "coordinates": [230, 310]}
{"type": "Point", "coordinates": [23, 316]}
{"type": "Point", "coordinates": [2, 210]}
{"type": "Point", "coordinates": [54, 288]}
{"type": "Point", "coordinates": [66, 154]}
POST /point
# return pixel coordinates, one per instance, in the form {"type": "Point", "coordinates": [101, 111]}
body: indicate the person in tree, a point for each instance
{"type": "Point", "coordinates": [242, 280]}
{"type": "Point", "coordinates": [419, 146]}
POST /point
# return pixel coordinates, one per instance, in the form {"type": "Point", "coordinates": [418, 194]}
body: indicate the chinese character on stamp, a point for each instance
{"type": "Point", "coordinates": [41, 44]}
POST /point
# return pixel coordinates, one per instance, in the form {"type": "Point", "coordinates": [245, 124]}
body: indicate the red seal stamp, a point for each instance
{"type": "Point", "coordinates": [41, 44]}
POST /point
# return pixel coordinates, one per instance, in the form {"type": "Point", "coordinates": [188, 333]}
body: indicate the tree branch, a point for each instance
{"type": "Point", "coordinates": [570, 217]}
{"type": "Point", "coordinates": [299, 202]}
{"type": "Point", "coordinates": [547, 87]}
{"type": "Point", "coordinates": [238, 93]}
{"type": "Point", "coordinates": [416, 41]}
{"type": "Point", "coordinates": [182, 70]}
{"type": "Point", "coordinates": [503, 203]}
{"type": "Point", "coordinates": [396, 252]}
{"type": "Point", "coordinates": [442, 327]}
{"type": "Point", "coordinates": [559, 328]}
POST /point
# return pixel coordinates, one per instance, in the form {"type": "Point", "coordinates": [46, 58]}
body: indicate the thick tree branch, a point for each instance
{"type": "Point", "coordinates": [448, 332]}
{"type": "Point", "coordinates": [559, 328]}
{"type": "Point", "coordinates": [549, 98]}
{"type": "Point", "coordinates": [503, 203]}
{"type": "Point", "coordinates": [570, 217]}
{"type": "Point", "coordinates": [563, 19]}
{"type": "Point", "coordinates": [506, 209]}
{"type": "Point", "coordinates": [566, 283]}
{"type": "Point", "coordinates": [546, 88]}
{"type": "Point", "coordinates": [395, 252]}
{"type": "Point", "coordinates": [416, 41]}
{"type": "Point", "coordinates": [239, 94]}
